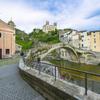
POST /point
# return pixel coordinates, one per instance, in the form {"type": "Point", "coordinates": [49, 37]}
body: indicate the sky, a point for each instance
{"type": "Point", "coordinates": [30, 14]}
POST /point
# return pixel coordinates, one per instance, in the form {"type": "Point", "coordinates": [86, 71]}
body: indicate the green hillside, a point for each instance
{"type": "Point", "coordinates": [50, 38]}
{"type": "Point", "coordinates": [23, 39]}
{"type": "Point", "coordinates": [36, 36]}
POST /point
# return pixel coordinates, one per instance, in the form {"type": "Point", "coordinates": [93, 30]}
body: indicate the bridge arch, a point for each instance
{"type": "Point", "coordinates": [57, 47]}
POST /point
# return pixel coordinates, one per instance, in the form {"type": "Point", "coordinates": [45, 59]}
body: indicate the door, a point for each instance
{"type": "Point", "coordinates": [0, 53]}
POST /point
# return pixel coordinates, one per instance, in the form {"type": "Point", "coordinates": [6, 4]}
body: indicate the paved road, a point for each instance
{"type": "Point", "coordinates": [12, 87]}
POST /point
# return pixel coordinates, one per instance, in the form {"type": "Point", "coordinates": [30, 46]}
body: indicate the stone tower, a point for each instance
{"type": "Point", "coordinates": [47, 22]}
{"type": "Point", "coordinates": [11, 24]}
{"type": "Point", "coordinates": [55, 24]}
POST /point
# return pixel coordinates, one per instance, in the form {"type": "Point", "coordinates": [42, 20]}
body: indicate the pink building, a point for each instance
{"type": "Point", "coordinates": [7, 39]}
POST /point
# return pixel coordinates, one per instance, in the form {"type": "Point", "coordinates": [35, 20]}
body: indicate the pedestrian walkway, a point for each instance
{"type": "Point", "coordinates": [13, 87]}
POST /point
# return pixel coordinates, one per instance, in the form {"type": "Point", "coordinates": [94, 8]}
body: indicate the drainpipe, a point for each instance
{"type": "Point", "coordinates": [3, 47]}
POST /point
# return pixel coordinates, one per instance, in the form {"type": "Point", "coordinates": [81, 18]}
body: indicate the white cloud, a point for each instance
{"type": "Point", "coordinates": [25, 18]}
{"type": "Point", "coordinates": [76, 17]}
{"type": "Point", "coordinates": [71, 15]}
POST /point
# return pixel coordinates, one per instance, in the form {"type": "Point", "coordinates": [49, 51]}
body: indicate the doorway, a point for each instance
{"type": "Point", "coordinates": [0, 53]}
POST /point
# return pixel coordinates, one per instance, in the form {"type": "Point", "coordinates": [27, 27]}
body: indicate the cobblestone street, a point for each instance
{"type": "Point", "coordinates": [12, 87]}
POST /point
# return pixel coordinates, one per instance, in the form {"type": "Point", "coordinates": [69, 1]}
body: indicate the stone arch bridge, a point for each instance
{"type": "Point", "coordinates": [57, 46]}
{"type": "Point", "coordinates": [43, 52]}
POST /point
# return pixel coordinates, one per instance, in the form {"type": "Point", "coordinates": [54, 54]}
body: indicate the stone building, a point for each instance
{"type": "Point", "coordinates": [47, 27]}
{"type": "Point", "coordinates": [7, 39]}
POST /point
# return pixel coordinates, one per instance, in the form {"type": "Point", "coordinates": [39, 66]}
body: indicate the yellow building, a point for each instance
{"type": "Point", "coordinates": [95, 41]}
{"type": "Point", "coordinates": [90, 41]}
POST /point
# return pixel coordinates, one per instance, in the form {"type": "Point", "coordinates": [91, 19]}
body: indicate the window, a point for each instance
{"type": "Point", "coordinates": [94, 40]}
{"type": "Point", "coordinates": [82, 36]}
{"type": "Point", "coordinates": [89, 33]}
{"type": "Point", "coordinates": [7, 51]}
{"type": "Point", "coordinates": [0, 35]}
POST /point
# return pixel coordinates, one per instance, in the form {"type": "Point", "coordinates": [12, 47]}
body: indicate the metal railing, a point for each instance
{"type": "Point", "coordinates": [85, 73]}
{"type": "Point", "coordinates": [85, 76]}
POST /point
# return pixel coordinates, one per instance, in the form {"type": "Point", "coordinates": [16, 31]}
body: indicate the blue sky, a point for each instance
{"type": "Point", "coordinates": [29, 14]}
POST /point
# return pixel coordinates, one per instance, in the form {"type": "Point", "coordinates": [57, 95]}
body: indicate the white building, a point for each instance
{"type": "Point", "coordinates": [85, 42]}
{"type": "Point", "coordinates": [47, 27]}
{"type": "Point", "coordinates": [70, 37]}
{"type": "Point", "coordinates": [75, 39]}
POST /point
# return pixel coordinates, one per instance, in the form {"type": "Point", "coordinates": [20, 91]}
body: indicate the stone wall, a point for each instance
{"type": "Point", "coordinates": [47, 90]}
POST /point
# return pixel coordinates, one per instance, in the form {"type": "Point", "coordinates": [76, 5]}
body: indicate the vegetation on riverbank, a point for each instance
{"type": "Point", "coordinates": [76, 66]}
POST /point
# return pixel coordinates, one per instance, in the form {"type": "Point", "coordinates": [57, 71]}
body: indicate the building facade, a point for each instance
{"type": "Point", "coordinates": [95, 41]}
{"type": "Point", "coordinates": [69, 37]}
{"type": "Point", "coordinates": [90, 41]}
{"type": "Point", "coordinates": [47, 27]}
{"type": "Point", "coordinates": [85, 42]}
{"type": "Point", "coordinates": [80, 39]}
{"type": "Point", "coordinates": [75, 38]}
{"type": "Point", "coordinates": [7, 39]}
